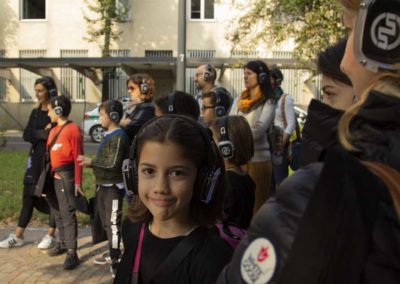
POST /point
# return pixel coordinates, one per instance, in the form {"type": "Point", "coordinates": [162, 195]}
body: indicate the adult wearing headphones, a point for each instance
{"type": "Point", "coordinates": [141, 88]}
{"type": "Point", "coordinates": [204, 80]}
{"type": "Point", "coordinates": [215, 104]}
{"type": "Point", "coordinates": [338, 221]}
{"type": "Point", "coordinates": [285, 119]}
{"type": "Point", "coordinates": [256, 104]}
{"type": "Point", "coordinates": [36, 133]}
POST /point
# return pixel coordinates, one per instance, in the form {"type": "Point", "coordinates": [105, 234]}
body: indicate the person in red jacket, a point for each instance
{"type": "Point", "coordinates": [64, 152]}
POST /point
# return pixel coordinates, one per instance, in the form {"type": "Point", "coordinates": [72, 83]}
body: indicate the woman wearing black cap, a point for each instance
{"type": "Point", "coordinates": [36, 133]}
{"type": "Point", "coordinates": [256, 104]}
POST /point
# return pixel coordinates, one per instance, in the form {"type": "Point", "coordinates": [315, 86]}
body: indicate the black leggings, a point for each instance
{"type": "Point", "coordinates": [28, 203]}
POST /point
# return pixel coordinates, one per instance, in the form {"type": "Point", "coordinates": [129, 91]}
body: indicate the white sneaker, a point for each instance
{"type": "Point", "coordinates": [12, 241]}
{"type": "Point", "coordinates": [47, 242]}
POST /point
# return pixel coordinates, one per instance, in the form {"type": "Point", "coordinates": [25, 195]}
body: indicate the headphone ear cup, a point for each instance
{"type": "Point", "coordinates": [114, 116]}
{"type": "Point", "coordinates": [262, 78]}
{"type": "Point", "coordinates": [207, 76]}
{"type": "Point", "coordinates": [144, 88]}
{"type": "Point", "coordinates": [226, 149]}
{"type": "Point", "coordinates": [220, 111]}
{"type": "Point", "coordinates": [58, 110]}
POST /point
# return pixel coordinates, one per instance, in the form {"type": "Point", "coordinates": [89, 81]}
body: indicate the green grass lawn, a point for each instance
{"type": "Point", "coordinates": [12, 167]}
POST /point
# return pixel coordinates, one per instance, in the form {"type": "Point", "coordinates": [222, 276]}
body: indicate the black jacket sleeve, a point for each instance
{"type": "Point", "coordinates": [31, 134]}
{"type": "Point", "coordinates": [277, 220]}
{"type": "Point", "coordinates": [139, 116]}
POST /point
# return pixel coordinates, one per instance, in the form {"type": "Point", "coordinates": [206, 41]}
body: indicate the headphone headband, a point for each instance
{"type": "Point", "coordinates": [171, 107]}
{"type": "Point", "coordinates": [225, 146]}
{"type": "Point", "coordinates": [262, 75]}
{"type": "Point", "coordinates": [219, 105]}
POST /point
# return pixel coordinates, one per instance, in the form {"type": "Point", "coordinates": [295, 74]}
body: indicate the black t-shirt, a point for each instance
{"type": "Point", "coordinates": [239, 202]}
{"type": "Point", "coordinates": [202, 265]}
{"type": "Point", "coordinates": [154, 251]}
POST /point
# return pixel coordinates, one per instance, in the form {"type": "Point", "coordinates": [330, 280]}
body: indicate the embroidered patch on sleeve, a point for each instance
{"type": "Point", "coordinates": [258, 262]}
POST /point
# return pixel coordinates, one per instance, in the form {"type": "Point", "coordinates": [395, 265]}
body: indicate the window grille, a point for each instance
{"type": "Point", "coordinates": [73, 84]}
{"type": "Point", "coordinates": [198, 53]}
{"type": "Point", "coordinates": [27, 78]}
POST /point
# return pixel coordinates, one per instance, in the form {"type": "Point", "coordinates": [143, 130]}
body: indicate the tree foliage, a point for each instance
{"type": "Point", "coordinates": [102, 29]}
{"type": "Point", "coordinates": [312, 24]}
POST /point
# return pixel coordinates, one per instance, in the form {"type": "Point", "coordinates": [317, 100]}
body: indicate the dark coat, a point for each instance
{"type": "Point", "coordinates": [141, 114]}
{"type": "Point", "coordinates": [377, 128]}
{"type": "Point", "coordinates": [37, 136]}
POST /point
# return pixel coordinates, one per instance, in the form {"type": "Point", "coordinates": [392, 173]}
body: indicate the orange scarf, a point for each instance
{"type": "Point", "coordinates": [246, 103]}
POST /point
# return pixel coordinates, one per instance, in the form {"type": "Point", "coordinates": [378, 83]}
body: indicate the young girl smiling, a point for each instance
{"type": "Point", "coordinates": [170, 233]}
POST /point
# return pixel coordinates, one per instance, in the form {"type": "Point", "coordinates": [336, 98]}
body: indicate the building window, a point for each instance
{"type": "Point", "coordinates": [27, 78]}
{"type": "Point", "coordinates": [33, 9]}
{"type": "Point", "coordinates": [123, 9]}
{"type": "Point", "coordinates": [202, 10]}
{"type": "Point", "coordinates": [3, 82]}
{"type": "Point", "coordinates": [73, 84]}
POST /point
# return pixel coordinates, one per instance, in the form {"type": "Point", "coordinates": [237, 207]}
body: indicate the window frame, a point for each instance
{"type": "Point", "coordinates": [202, 12]}
{"type": "Point", "coordinates": [21, 13]}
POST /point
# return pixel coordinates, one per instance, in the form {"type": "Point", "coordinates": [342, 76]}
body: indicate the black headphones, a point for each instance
{"type": "Point", "coordinates": [377, 34]}
{"type": "Point", "coordinates": [51, 90]}
{"type": "Point", "coordinates": [219, 106]}
{"type": "Point", "coordinates": [209, 74]}
{"type": "Point", "coordinates": [113, 115]}
{"type": "Point", "coordinates": [208, 176]}
{"type": "Point", "coordinates": [58, 110]}
{"type": "Point", "coordinates": [170, 100]}
{"type": "Point", "coordinates": [262, 75]}
{"type": "Point", "coordinates": [144, 87]}
{"type": "Point", "coordinates": [225, 146]}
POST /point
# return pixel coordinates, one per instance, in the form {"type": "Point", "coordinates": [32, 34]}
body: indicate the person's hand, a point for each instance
{"type": "Point", "coordinates": [84, 161]}
{"type": "Point", "coordinates": [124, 121]}
{"type": "Point", "coordinates": [48, 126]}
{"type": "Point", "coordinates": [78, 189]}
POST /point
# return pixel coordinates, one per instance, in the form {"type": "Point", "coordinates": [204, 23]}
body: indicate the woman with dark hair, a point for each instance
{"type": "Point", "coordinates": [338, 221]}
{"type": "Point", "coordinates": [169, 236]}
{"type": "Point", "coordinates": [141, 88]}
{"type": "Point", "coordinates": [256, 104]}
{"type": "Point", "coordinates": [338, 91]}
{"type": "Point", "coordinates": [177, 102]}
{"type": "Point", "coordinates": [36, 133]}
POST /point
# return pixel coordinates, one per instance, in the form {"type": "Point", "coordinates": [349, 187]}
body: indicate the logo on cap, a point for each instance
{"type": "Point", "coordinates": [258, 262]}
{"type": "Point", "coordinates": [385, 31]}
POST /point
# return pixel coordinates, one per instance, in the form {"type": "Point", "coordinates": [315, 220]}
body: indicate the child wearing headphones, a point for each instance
{"type": "Point", "coordinates": [169, 236]}
{"type": "Point", "coordinates": [106, 166]}
{"type": "Point", "coordinates": [65, 144]}
{"type": "Point", "coordinates": [177, 102]}
{"type": "Point", "coordinates": [235, 143]}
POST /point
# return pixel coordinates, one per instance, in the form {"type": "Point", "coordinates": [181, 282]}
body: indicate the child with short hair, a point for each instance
{"type": "Point", "coordinates": [170, 235]}
{"type": "Point", "coordinates": [235, 142]}
{"type": "Point", "coordinates": [107, 169]}
{"type": "Point", "coordinates": [177, 102]}
{"type": "Point", "coordinates": [68, 194]}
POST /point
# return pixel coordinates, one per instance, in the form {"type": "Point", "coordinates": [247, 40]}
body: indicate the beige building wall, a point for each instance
{"type": "Point", "coordinates": [153, 26]}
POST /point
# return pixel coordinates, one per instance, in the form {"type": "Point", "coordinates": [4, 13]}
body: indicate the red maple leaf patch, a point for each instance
{"type": "Point", "coordinates": [262, 254]}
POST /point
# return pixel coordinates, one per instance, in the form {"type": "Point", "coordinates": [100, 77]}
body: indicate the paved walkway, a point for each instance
{"type": "Point", "coordinates": [28, 264]}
